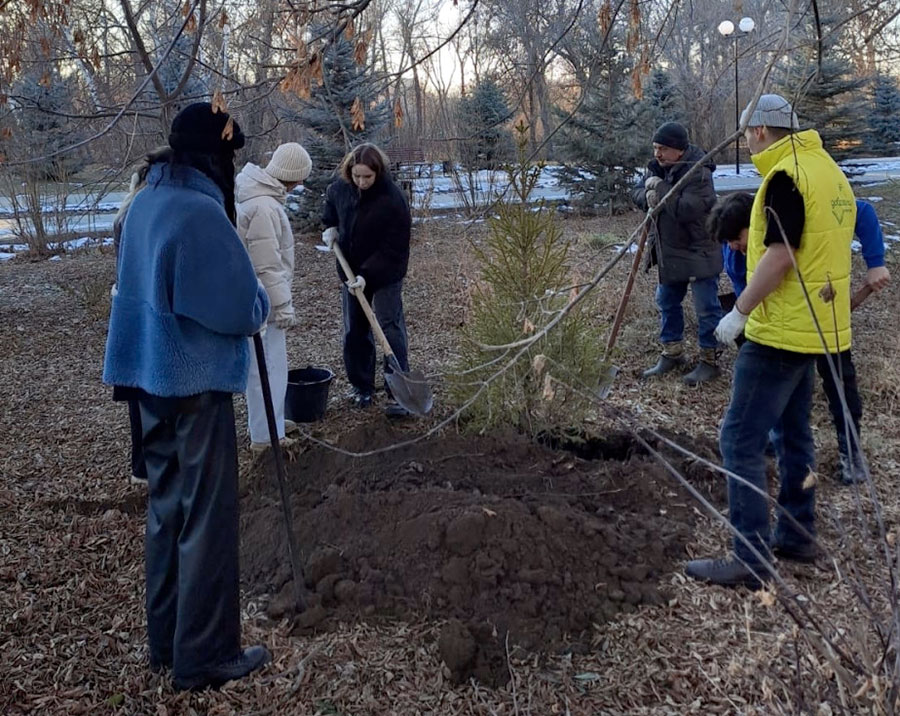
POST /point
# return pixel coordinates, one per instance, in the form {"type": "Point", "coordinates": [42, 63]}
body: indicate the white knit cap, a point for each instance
{"type": "Point", "coordinates": [289, 163]}
{"type": "Point", "coordinates": [772, 110]}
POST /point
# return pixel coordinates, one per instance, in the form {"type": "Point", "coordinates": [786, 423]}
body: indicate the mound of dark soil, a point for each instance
{"type": "Point", "coordinates": [497, 533]}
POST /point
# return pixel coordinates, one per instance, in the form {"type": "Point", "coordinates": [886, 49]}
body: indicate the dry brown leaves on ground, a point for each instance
{"type": "Point", "coordinates": [71, 576]}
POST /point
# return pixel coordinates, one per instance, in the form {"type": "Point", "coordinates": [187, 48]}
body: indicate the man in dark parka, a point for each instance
{"type": "Point", "coordinates": [682, 250]}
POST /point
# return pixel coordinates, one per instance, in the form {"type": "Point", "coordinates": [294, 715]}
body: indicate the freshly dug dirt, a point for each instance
{"type": "Point", "coordinates": [497, 533]}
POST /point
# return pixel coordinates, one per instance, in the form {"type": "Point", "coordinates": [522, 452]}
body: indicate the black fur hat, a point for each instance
{"type": "Point", "coordinates": [197, 128]}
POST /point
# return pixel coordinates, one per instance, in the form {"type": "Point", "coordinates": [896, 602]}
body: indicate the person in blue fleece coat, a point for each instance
{"type": "Point", "coordinates": [729, 223]}
{"type": "Point", "coordinates": [187, 299]}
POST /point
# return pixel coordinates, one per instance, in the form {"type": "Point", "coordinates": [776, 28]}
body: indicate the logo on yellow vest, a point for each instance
{"type": "Point", "coordinates": [839, 207]}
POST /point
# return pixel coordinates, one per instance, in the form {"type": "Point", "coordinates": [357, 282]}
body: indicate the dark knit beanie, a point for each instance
{"type": "Point", "coordinates": [671, 134]}
{"type": "Point", "coordinates": [197, 128]}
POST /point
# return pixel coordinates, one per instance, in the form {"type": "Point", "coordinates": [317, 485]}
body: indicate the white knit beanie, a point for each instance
{"type": "Point", "coordinates": [289, 163]}
{"type": "Point", "coordinates": [772, 110]}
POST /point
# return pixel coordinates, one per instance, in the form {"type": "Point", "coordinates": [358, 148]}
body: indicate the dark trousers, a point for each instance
{"type": "Point", "coordinates": [193, 611]}
{"type": "Point", "coordinates": [138, 468]}
{"type": "Point", "coordinates": [843, 364]}
{"type": "Point", "coordinates": [359, 345]}
{"type": "Point", "coordinates": [772, 391]}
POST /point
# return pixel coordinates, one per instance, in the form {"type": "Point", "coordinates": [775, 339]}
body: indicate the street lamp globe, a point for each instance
{"type": "Point", "coordinates": [746, 24]}
{"type": "Point", "coordinates": [726, 27]}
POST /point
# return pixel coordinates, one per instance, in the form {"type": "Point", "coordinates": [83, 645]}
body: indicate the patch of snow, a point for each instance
{"type": "Point", "coordinates": [55, 258]}
{"type": "Point", "coordinates": [4, 256]}
{"type": "Point", "coordinates": [855, 246]}
{"type": "Point", "coordinates": [874, 199]}
{"type": "Point", "coordinates": [892, 237]}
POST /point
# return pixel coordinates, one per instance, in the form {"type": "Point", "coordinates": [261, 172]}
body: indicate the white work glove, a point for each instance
{"type": "Point", "coordinates": [730, 327]}
{"type": "Point", "coordinates": [653, 198]}
{"type": "Point", "coordinates": [329, 236]}
{"type": "Point", "coordinates": [284, 317]}
{"type": "Point", "coordinates": [358, 282]}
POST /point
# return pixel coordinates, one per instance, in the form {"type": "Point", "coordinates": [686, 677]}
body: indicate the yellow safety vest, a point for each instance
{"type": "Point", "coordinates": [783, 319]}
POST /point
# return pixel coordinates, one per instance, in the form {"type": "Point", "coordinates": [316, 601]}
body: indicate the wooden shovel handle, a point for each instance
{"type": "Point", "coordinates": [623, 302]}
{"type": "Point", "coordinates": [861, 295]}
{"type": "Point", "coordinates": [363, 301]}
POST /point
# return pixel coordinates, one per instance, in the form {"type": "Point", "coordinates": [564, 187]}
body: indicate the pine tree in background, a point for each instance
{"type": "Point", "coordinates": [525, 280]}
{"type": "Point", "coordinates": [482, 116]}
{"type": "Point", "coordinates": [883, 138]}
{"type": "Point", "coordinates": [831, 101]}
{"type": "Point", "coordinates": [328, 124]}
{"type": "Point", "coordinates": [662, 99]}
{"type": "Point", "coordinates": [607, 140]}
{"type": "Point", "coordinates": [45, 98]}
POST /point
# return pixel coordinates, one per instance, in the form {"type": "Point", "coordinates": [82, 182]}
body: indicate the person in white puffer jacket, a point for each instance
{"type": "Point", "coordinates": [263, 226]}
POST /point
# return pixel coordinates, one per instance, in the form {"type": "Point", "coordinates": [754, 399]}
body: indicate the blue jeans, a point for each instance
{"type": "Point", "coordinates": [772, 390]}
{"type": "Point", "coordinates": [705, 292]}
{"type": "Point", "coordinates": [359, 345]}
{"type": "Point", "coordinates": [844, 365]}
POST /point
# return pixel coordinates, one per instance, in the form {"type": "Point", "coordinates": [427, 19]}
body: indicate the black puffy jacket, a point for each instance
{"type": "Point", "coordinates": [373, 227]}
{"type": "Point", "coordinates": [681, 247]}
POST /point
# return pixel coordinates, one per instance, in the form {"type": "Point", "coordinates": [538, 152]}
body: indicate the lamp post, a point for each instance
{"type": "Point", "coordinates": [726, 29]}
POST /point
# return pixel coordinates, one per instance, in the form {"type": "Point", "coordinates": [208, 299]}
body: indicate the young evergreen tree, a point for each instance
{"type": "Point", "coordinates": [330, 125]}
{"type": "Point", "coordinates": [482, 117]}
{"type": "Point", "coordinates": [525, 281]}
{"type": "Point", "coordinates": [662, 99]}
{"type": "Point", "coordinates": [832, 101]}
{"type": "Point", "coordinates": [883, 138]}
{"type": "Point", "coordinates": [606, 141]}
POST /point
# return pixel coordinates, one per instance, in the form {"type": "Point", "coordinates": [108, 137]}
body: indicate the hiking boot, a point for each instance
{"type": "Point", "coordinates": [137, 480]}
{"type": "Point", "coordinates": [290, 427]}
{"type": "Point", "coordinates": [851, 472]}
{"type": "Point", "coordinates": [726, 571]}
{"type": "Point", "coordinates": [393, 409]}
{"type": "Point", "coordinates": [705, 370]}
{"type": "Point", "coordinates": [360, 399]}
{"type": "Point", "coordinates": [805, 553]}
{"type": "Point", "coordinates": [250, 659]}
{"type": "Point", "coordinates": [665, 364]}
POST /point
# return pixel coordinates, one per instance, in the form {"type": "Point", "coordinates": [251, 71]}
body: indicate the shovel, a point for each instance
{"type": "Point", "coordinates": [606, 380]}
{"type": "Point", "coordinates": [294, 553]}
{"type": "Point", "coordinates": [409, 388]}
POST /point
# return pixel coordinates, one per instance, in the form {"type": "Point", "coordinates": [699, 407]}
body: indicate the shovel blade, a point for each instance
{"type": "Point", "coordinates": [411, 390]}
{"type": "Point", "coordinates": [606, 382]}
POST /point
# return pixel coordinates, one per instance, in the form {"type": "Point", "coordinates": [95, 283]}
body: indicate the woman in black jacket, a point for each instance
{"type": "Point", "coordinates": [368, 215]}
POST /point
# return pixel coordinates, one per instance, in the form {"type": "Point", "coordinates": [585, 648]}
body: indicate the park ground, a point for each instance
{"type": "Point", "coordinates": [454, 575]}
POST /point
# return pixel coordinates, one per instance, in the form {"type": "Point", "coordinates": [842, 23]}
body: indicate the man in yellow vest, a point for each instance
{"type": "Point", "coordinates": [804, 214]}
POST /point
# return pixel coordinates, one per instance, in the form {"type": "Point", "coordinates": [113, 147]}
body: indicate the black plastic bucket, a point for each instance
{"type": "Point", "coordinates": [307, 394]}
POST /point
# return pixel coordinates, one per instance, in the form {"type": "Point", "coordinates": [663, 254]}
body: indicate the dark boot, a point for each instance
{"type": "Point", "coordinates": [394, 410]}
{"type": "Point", "coordinates": [705, 370]}
{"type": "Point", "coordinates": [727, 571]}
{"type": "Point", "coordinates": [671, 358]}
{"type": "Point", "coordinates": [250, 659]}
{"type": "Point", "coordinates": [851, 471]}
{"type": "Point", "coordinates": [805, 553]}
{"type": "Point", "coordinates": [360, 399]}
